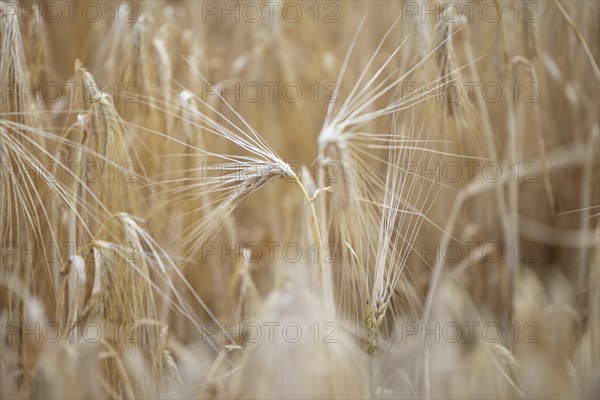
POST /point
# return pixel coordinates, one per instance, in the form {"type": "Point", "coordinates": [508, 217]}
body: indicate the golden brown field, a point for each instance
{"type": "Point", "coordinates": [300, 199]}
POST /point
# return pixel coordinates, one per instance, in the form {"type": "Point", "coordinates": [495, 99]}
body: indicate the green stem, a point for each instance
{"type": "Point", "coordinates": [325, 275]}
{"type": "Point", "coordinates": [314, 226]}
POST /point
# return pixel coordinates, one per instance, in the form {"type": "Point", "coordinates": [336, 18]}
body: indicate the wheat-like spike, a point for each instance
{"type": "Point", "coordinates": [18, 103]}
{"type": "Point", "coordinates": [90, 90]}
{"type": "Point", "coordinates": [37, 50]}
{"type": "Point", "coordinates": [445, 56]}
{"type": "Point", "coordinates": [530, 34]}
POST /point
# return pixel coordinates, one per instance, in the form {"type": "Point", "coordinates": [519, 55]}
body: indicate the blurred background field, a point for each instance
{"type": "Point", "coordinates": [310, 199]}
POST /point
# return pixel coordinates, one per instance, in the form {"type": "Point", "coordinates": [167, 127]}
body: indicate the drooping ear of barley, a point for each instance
{"type": "Point", "coordinates": [239, 183]}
